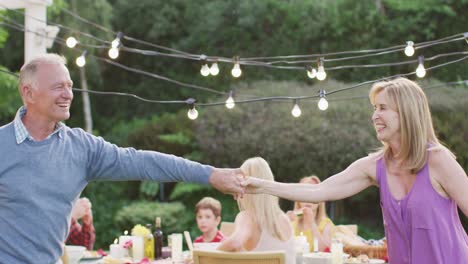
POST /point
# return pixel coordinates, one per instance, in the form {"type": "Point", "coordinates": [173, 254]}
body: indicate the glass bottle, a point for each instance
{"type": "Point", "coordinates": [149, 244]}
{"type": "Point", "coordinates": [336, 249]}
{"type": "Point", "coordinates": [158, 239]}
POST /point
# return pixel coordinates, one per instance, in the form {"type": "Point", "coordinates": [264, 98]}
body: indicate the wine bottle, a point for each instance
{"type": "Point", "coordinates": [158, 239]}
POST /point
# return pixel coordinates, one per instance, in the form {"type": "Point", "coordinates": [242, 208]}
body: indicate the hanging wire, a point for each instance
{"type": "Point", "coordinates": [251, 61]}
{"type": "Point", "coordinates": [127, 68]}
{"type": "Point", "coordinates": [246, 61]}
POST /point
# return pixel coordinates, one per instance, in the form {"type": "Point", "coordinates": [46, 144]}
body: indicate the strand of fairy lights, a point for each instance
{"type": "Point", "coordinates": [420, 70]}
{"type": "Point", "coordinates": [214, 70]}
{"type": "Point", "coordinates": [311, 72]}
{"type": "Point", "coordinates": [296, 111]}
{"type": "Point", "coordinates": [322, 94]}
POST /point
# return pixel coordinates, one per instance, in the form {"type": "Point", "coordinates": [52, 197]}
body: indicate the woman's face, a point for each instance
{"type": "Point", "coordinates": [312, 206]}
{"type": "Point", "coordinates": [386, 119]}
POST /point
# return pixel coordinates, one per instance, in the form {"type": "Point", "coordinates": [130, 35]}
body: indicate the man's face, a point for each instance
{"type": "Point", "coordinates": [50, 95]}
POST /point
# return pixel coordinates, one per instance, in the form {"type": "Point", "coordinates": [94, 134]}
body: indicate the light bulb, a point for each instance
{"type": "Point", "coordinates": [409, 50]}
{"type": "Point", "coordinates": [296, 111]}
{"type": "Point", "coordinates": [205, 70]}
{"type": "Point", "coordinates": [323, 104]}
{"type": "Point", "coordinates": [115, 43]}
{"type": "Point", "coordinates": [321, 74]}
{"type": "Point", "coordinates": [71, 42]}
{"type": "Point", "coordinates": [230, 103]}
{"type": "Point", "coordinates": [236, 70]}
{"type": "Point", "coordinates": [312, 73]}
{"type": "Point", "coordinates": [420, 71]}
{"type": "Point", "coordinates": [113, 53]}
{"type": "Point", "coordinates": [192, 113]}
{"type": "Point", "coordinates": [80, 61]}
{"type": "Point", "coordinates": [214, 70]}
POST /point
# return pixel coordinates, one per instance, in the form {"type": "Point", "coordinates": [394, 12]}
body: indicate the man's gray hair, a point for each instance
{"type": "Point", "coordinates": [30, 68]}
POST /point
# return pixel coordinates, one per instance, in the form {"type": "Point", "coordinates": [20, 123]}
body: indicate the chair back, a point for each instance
{"type": "Point", "coordinates": [216, 257]}
{"type": "Point", "coordinates": [227, 228]}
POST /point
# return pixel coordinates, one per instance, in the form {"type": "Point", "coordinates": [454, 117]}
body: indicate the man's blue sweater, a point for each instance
{"type": "Point", "coordinates": [39, 182]}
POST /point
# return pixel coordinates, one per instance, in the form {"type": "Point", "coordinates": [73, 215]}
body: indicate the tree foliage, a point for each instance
{"type": "Point", "coordinates": [318, 142]}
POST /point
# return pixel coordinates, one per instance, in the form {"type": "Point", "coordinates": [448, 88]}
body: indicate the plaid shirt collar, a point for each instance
{"type": "Point", "coordinates": [22, 133]}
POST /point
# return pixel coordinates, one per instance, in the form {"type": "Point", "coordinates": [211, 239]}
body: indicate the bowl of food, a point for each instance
{"type": "Point", "coordinates": [74, 253]}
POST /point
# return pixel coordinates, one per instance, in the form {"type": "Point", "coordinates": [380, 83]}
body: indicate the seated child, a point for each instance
{"type": "Point", "coordinates": [208, 215]}
{"type": "Point", "coordinates": [311, 220]}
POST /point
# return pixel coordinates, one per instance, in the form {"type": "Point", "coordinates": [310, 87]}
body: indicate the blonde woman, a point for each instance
{"type": "Point", "coordinates": [311, 220]}
{"type": "Point", "coordinates": [260, 225]}
{"type": "Point", "coordinates": [421, 184]}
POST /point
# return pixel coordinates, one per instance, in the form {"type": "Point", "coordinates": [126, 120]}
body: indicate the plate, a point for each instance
{"type": "Point", "coordinates": [376, 261]}
{"type": "Point", "coordinates": [91, 255]}
{"type": "Point", "coordinates": [91, 258]}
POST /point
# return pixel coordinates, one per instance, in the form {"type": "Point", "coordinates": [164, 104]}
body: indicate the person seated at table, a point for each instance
{"type": "Point", "coordinates": [82, 234]}
{"type": "Point", "coordinates": [260, 225]}
{"type": "Point", "coordinates": [311, 220]}
{"type": "Point", "coordinates": [208, 216]}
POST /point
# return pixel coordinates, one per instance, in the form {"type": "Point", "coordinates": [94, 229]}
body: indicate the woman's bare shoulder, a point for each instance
{"type": "Point", "coordinates": [367, 164]}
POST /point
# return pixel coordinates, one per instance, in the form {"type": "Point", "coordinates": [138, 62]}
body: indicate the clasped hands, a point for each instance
{"type": "Point", "coordinates": [233, 181]}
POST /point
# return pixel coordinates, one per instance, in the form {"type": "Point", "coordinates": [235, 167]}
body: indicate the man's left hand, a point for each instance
{"type": "Point", "coordinates": [228, 181]}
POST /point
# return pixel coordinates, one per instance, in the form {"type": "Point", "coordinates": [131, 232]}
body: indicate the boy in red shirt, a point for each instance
{"type": "Point", "coordinates": [208, 215]}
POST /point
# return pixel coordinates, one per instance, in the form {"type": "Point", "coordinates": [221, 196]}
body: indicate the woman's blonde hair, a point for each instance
{"type": "Point", "coordinates": [416, 129]}
{"type": "Point", "coordinates": [321, 212]}
{"type": "Point", "coordinates": [263, 207]}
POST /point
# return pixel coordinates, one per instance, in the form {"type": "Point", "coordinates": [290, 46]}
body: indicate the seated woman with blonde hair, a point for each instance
{"type": "Point", "coordinates": [311, 220]}
{"type": "Point", "coordinates": [260, 225]}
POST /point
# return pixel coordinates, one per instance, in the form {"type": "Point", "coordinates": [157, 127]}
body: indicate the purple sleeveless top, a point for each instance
{"type": "Point", "coordinates": [423, 227]}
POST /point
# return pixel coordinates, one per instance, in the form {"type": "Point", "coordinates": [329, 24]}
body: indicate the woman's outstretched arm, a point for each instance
{"type": "Point", "coordinates": [357, 177]}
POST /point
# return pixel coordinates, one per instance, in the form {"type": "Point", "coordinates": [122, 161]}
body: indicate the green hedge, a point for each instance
{"type": "Point", "coordinates": [173, 216]}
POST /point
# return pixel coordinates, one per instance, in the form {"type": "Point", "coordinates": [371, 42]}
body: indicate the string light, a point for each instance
{"type": "Point", "coordinates": [205, 70]}
{"type": "Point", "coordinates": [321, 74]}
{"type": "Point", "coordinates": [296, 111]}
{"type": "Point", "coordinates": [409, 50]}
{"type": "Point", "coordinates": [116, 42]}
{"type": "Point", "coordinates": [71, 42]}
{"type": "Point", "coordinates": [214, 70]}
{"type": "Point", "coordinates": [113, 53]}
{"type": "Point", "coordinates": [395, 48]}
{"type": "Point", "coordinates": [311, 72]}
{"type": "Point", "coordinates": [192, 112]}
{"type": "Point", "coordinates": [236, 70]}
{"type": "Point", "coordinates": [420, 70]}
{"type": "Point", "coordinates": [322, 103]}
{"type": "Point", "coordinates": [230, 101]}
{"type": "Point", "coordinates": [419, 46]}
{"type": "Point", "coordinates": [186, 55]}
{"type": "Point", "coordinates": [115, 46]}
{"type": "Point", "coordinates": [81, 60]}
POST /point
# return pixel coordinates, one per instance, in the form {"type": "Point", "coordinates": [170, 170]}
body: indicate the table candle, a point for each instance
{"type": "Point", "coordinates": [138, 248]}
{"type": "Point", "coordinates": [122, 241]}
{"type": "Point", "coordinates": [117, 251]}
{"type": "Point", "coordinates": [316, 248]}
{"type": "Point", "coordinates": [337, 251]}
{"type": "Point", "coordinates": [176, 247]}
{"type": "Point", "coordinates": [305, 248]}
{"type": "Point", "coordinates": [300, 242]}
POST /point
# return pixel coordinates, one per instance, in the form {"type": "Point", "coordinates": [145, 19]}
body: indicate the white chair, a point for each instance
{"type": "Point", "coordinates": [227, 228]}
